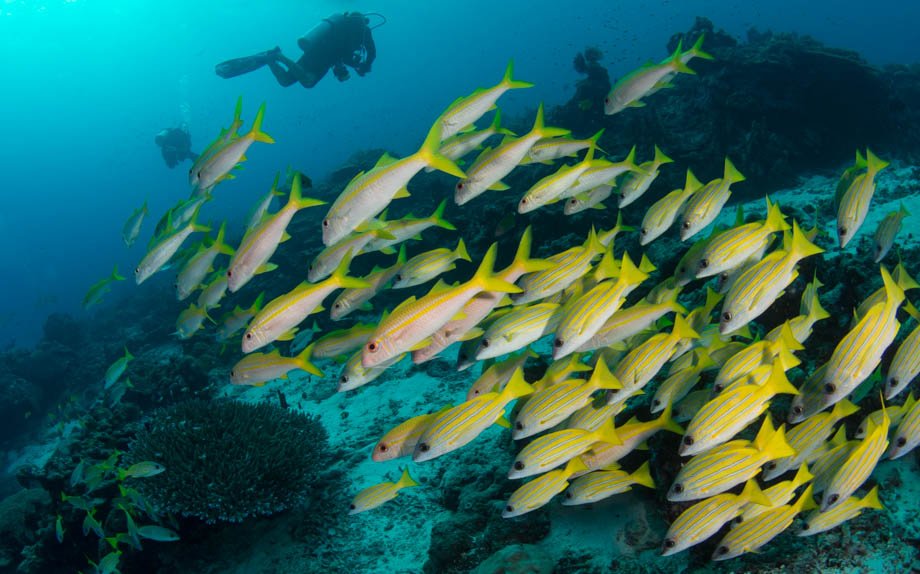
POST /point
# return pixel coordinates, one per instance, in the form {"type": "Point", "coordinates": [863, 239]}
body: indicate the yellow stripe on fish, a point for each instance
{"type": "Point", "coordinates": [752, 534]}
{"type": "Point", "coordinates": [541, 490]}
{"type": "Point", "coordinates": [602, 484]}
{"type": "Point", "coordinates": [555, 449]}
{"type": "Point", "coordinates": [373, 496]}
{"type": "Point", "coordinates": [823, 520]}
{"type": "Point", "coordinates": [857, 467]}
{"type": "Point", "coordinates": [704, 206]}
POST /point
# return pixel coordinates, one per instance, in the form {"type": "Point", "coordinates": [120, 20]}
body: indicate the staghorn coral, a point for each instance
{"type": "Point", "coordinates": [229, 461]}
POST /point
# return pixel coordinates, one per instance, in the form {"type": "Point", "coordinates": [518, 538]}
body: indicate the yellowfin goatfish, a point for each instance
{"type": "Point", "coordinates": [812, 312]}
{"type": "Point", "coordinates": [630, 89]}
{"type": "Point", "coordinates": [368, 193]}
{"type": "Point", "coordinates": [808, 437]}
{"type": "Point", "coordinates": [630, 321]}
{"type": "Point", "coordinates": [905, 365]}
{"type": "Point", "coordinates": [779, 494]}
{"type": "Point", "coordinates": [133, 225]}
{"type": "Point", "coordinates": [461, 424]}
{"type": "Point", "coordinates": [426, 266]}
{"type": "Point", "coordinates": [752, 534]}
{"type": "Point", "coordinates": [190, 321]}
{"type": "Point", "coordinates": [466, 110]}
{"type": "Point", "coordinates": [350, 300]}
{"type": "Point", "coordinates": [457, 146]}
{"type": "Point", "coordinates": [907, 436]}
{"type": "Point", "coordinates": [163, 250]}
{"type": "Point", "coordinates": [517, 329]}
{"type": "Point", "coordinates": [213, 291]}
{"type": "Point", "coordinates": [823, 520]}
{"type": "Point", "coordinates": [680, 382]}
{"type": "Point", "coordinates": [591, 199]}
{"type": "Point", "coordinates": [541, 490]}
{"type": "Point", "coordinates": [743, 363]}
{"type": "Point", "coordinates": [496, 376]}
{"type": "Point", "coordinates": [117, 369]}
{"type": "Point", "coordinates": [730, 249]}
{"type": "Point", "coordinates": [280, 317]}
{"type": "Point", "coordinates": [342, 341]}
{"type": "Point", "coordinates": [416, 320]}
{"type": "Point", "coordinates": [704, 205]}
{"type": "Point", "coordinates": [730, 464]}
{"type": "Point", "coordinates": [100, 288]}
{"type": "Point", "coordinates": [235, 320]}
{"type": "Point", "coordinates": [758, 287]}
{"type": "Point", "coordinates": [556, 448]}
{"type": "Point", "coordinates": [858, 465]}
{"type": "Point", "coordinates": [143, 469]}
{"type": "Point", "coordinates": [633, 434]}
{"type": "Point", "coordinates": [569, 266]}
{"type": "Point", "coordinates": [259, 368]}
{"type": "Point", "coordinates": [327, 260]}
{"type": "Point", "coordinates": [695, 52]}
{"type": "Point", "coordinates": [548, 407]}
{"type": "Point", "coordinates": [259, 244]}
{"type": "Point", "coordinates": [355, 375]}
{"type": "Point", "coordinates": [602, 484]}
{"type": "Point", "coordinates": [726, 415]}
{"type": "Point", "coordinates": [196, 268]}
{"type": "Point", "coordinates": [854, 205]}
{"type": "Point", "coordinates": [661, 215]}
{"type": "Point", "coordinates": [219, 164]}
{"type": "Point", "coordinates": [550, 188]}
{"type": "Point", "coordinates": [602, 172]}
{"type": "Point", "coordinates": [373, 496]}
{"type": "Point", "coordinates": [895, 414]}
{"type": "Point", "coordinates": [705, 518]}
{"type": "Point", "coordinates": [591, 417]}
{"type": "Point", "coordinates": [548, 150]}
{"type": "Point", "coordinates": [400, 441]}
{"type": "Point", "coordinates": [887, 229]}
{"type": "Point", "coordinates": [635, 185]}
{"type": "Point", "coordinates": [860, 351]}
{"type": "Point", "coordinates": [261, 209]}
{"type": "Point", "coordinates": [407, 228]}
{"type": "Point", "coordinates": [225, 136]}
{"type": "Point", "coordinates": [494, 164]}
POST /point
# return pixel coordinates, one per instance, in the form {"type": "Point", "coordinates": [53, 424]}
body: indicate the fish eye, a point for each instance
{"type": "Point", "coordinates": [568, 495]}
{"type": "Point", "coordinates": [830, 388]}
{"type": "Point", "coordinates": [893, 383]}
{"type": "Point", "coordinates": [901, 441]}
{"type": "Point", "coordinates": [670, 543]}
{"type": "Point", "coordinates": [229, 273]}
{"type": "Point", "coordinates": [643, 231]}
{"type": "Point", "coordinates": [722, 550]}
{"type": "Point", "coordinates": [726, 316]}
{"type": "Point", "coordinates": [459, 186]}
{"type": "Point", "coordinates": [678, 488]}
{"type": "Point", "coordinates": [337, 305]}
{"type": "Point", "coordinates": [771, 466]}
{"type": "Point", "coordinates": [373, 346]}
{"type": "Point", "coordinates": [613, 391]}
{"type": "Point", "coordinates": [519, 425]}
{"type": "Point", "coordinates": [524, 201]}
{"type": "Point", "coordinates": [518, 465]}
{"type": "Point", "coordinates": [833, 498]}
{"type": "Point", "coordinates": [424, 447]}
{"type": "Point", "coordinates": [558, 343]}
{"type": "Point", "coordinates": [232, 373]}
{"type": "Point", "coordinates": [842, 230]}
{"type": "Point", "coordinates": [688, 440]}
{"type": "Point", "coordinates": [325, 223]}
{"type": "Point", "coordinates": [739, 519]}
{"type": "Point", "coordinates": [509, 508]}
{"type": "Point", "coordinates": [686, 225]}
{"type": "Point", "coordinates": [399, 277]}
{"type": "Point", "coordinates": [485, 343]}
{"type": "Point", "coordinates": [249, 335]}
{"type": "Point", "coordinates": [137, 269]}
{"type": "Point", "coordinates": [382, 447]}
{"type": "Point", "coordinates": [351, 506]}
{"type": "Point", "coordinates": [717, 388]}
{"type": "Point", "coordinates": [656, 402]}
{"type": "Point", "coordinates": [463, 356]}
{"type": "Point", "coordinates": [573, 201]}
{"type": "Point", "coordinates": [797, 409]}
{"type": "Point", "coordinates": [704, 263]}
{"type": "Point", "coordinates": [606, 100]}
{"type": "Point", "coordinates": [806, 526]}
{"type": "Point", "coordinates": [343, 379]}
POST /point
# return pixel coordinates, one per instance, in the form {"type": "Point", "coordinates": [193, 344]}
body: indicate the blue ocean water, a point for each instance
{"type": "Point", "coordinates": [88, 84]}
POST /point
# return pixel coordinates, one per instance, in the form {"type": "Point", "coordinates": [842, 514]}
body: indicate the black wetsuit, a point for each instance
{"type": "Point", "coordinates": [175, 145]}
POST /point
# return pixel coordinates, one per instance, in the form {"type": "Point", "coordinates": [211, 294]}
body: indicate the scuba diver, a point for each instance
{"type": "Point", "coordinates": [336, 42]}
{"type": "Point", "coordinates": [175, 145]}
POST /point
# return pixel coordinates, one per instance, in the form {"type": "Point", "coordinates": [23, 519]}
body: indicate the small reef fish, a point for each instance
{"type": "Point", "coordinates": [495, 376]}
{"type": "Point", "coordinates": [732, 248]}
{"type": "Point", "coordinates": [98, 290]}
{"type": "Point", "coordinates": [163, 250]}
{"type": "Point", "coordinates": [400, 441]}
{"type": "Point", "coordinates": [327, 260]}
{"type": "Point", "coordinates": [517, 329]}
{"type": "Point", "coordinates": [226, 135]}
{"type": "Point", "coordinates": [197, 267]}
{"type": "Point", "coordinates": [550, 188]}
{"type": "Point", "coordinates": [426, 266]}
{"type": "Point", "coordinates": [352, 299]}
{"type": "Point", "coordinates": [662, 214]}
{"type": "Point", "coordinates": [634, 185]}
{"type": "Point", "coordinates": [117, 369]}
{"type": "Point", "coordinates": [408, 227]}
{"type": "Point", "coordinates": [602, 172]}
{"type": "Point", "coordinates": [907, 435]}
{"type": "Point", "coordinates": [342, 341]}
{"type": "Point", "coordinates": [459, 145]}
{"type": "Point", "coordinates": [548, 150]}
{"type": "Point", "coordinates": [568, 267]}
{"type": "Point", "coordinates": [704, 206]}
{"type": "Point", "coordinates": [819, 521]}
{"type": "Point", "coordinates": [591, 199]}
{"type": "Point", "coordinates": [601, 484]}
{"type": "Point", "coordinates": [190, 321]}
{"type": "Point", "coordinates": [261, 209]}
{"type": "Point", "coordinates": [858, 465]}
{"type": "Point", "coordinates": [143, 469]}
{"type": "Point", "coordinates": [539, 491]}
{"type": "Point", "coordinates": [218, 165]}
{"type": "Point", "coordinates": [905, 366]}
{"type": "Point", "coordinates": [355, 375]}
{"type": "Point", "coordinates": [373, 496]}
{"type": "Point", "coordinates": [157, 533]}
{"type": "Point", "coordinates": [132, 226]}
{"type": "Point", "coordinates": [887, 230]}
{"type": "Point", "coordinates": [234, 321]}
{"type": "Point", "coordinates": [854, 204]}
{"type": "Point", "coordinates": [256, 369]}
{"type": "Point", "coordinates": [557, 448]}
{"type": "Point", "coordinates": [213, 290]}
{"type": "Point", "coordinates": [631, 88]}
{"type": "Point", "coordinates": [632, 434]}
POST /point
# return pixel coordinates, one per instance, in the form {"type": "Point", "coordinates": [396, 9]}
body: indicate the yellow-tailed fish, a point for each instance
{"type": "Point", "coordinates": [457, 146]}
{"type": "Point", "coordinates": [517, 329]}
{"type": "Point", "coordinates": [368, 193]}
{"type": "Point", "coordinates": [224, 159]}
{"type": "Point", "coordinates": [587, 315]}
{"type": "Point", "coordinates": [629, 321]}
{"type": "Point", "coordinates": [183, 212]}
{"type": "Point", "coordinates": [758, 287]}
{"type": "Point", "coordinates": [680, 382]}
{"type": "Point", "coordinates": [117, 369]}
{"type": "Point", "coordinates": [727, 279]}
{"type": "Point", "coordinates": [496, 376]}
{"type": "Point", "coordinates": [641, 364]}
{"type": "Point", "coordinates": [801, 325]}
{"type": "Point", "coordinates": [400, 440]}
{"type": "Point", "coordinates": [466, 353]}
{"type": "Point", "coordinates": [235, 320]}
{"type": "Point", "coordinates": [355, 375]}
{"type": "Point", "coordinates": [695, 52]}
{"type": "Point", "coordinates": [548, 407]}
{"type": "Point", "coordinates": [494, 164]}
{"type": "Point", "coordinates": [259, 244]}
{"type": "Point", "coordinates": [633, 434]}
{"type": "Point", "coordinates": [603, 172]}
{"type": "Point", "coordinates": [98, 289]}
{"type": "Point", "coordinates": [810, 398]}
{"type": "Point", "coordinates": [549, 189]}
{"type": "Point", "coordinates": [350, 300]}
{"type": "Point", "coordinates": [559, 371]}
{"type": "Point", "coordinates": [705, 518]}
{"type": "Point", "coordinates": [764, 352]}
{"type": "Point", "coordinates": [905, 366]}
{"type": "Point", "coordinates": [196, 269]}
{"type": "Point", "coordinates": [830, 457]}
{"type": "Point", "coordinates": [738, 244]}
{"type": "Point", "coordinates": [557, 448]}
{"type": "Point", "coordinates": [887, 229]}
{"type": "Point", "coordinates": [719, 420]}
{"type": "Point", "coordinates": [858, 465]}
{"type": "Point", "coordinates": [477, 313]}
{"type": "Point", "coordinates": [591, 199]}
{"type": "Point", "coordinates": [342, 341]}
{"type": "Point", "coordinates": [752, 534]}
{"type": "Point", "coordinates": [661, 215]}
{"type": "Point", "coordinates": [466, 110]}
{"type": "Point", "coordinates": [330, 257]}
{"type": "Point", "coordinates": [373, 496]}
{"type": "Point", "coordinates": [592, 416]}
{"type": "Point", "coordinates": [907, 435]}
{"type": "Point", "coordinates": [903, 280]}
{"type": "Point", "coordinates": [414, 321]}
{"type": "Point", "coordinates": [779, 494]}
{"type": "Point", "coordinates": [685, 408]}
{"type": "Point", "coordinates": [895, 414]}
{"type": "Point", "coordinates": [461, 424]}
{"type": "Point", "coordinates": [568, 267]}
{"type": "Point", "coordinates": [426, 266]}
{"type": "Point", "coordinates": [541, 490]}
{"type": "Point", "coordinates": [823, 520]}
{"type": "Point", "coordinates": [190, 321]}
{"type": "Point", "coordinates": [704, 205]}
{"type": "Point", "coordinates": [161, 252]}
{"type": "Point", "coordinates": [685, 272]}
{"type": "Point", "coordinates": [807, 438]}
{"type": "Point", "coordinates": [550, 149]}
{"type": "Point", "coordinates": [280, 317]}
{"type": "Point", "coordinates": [226, 135]}
{"type": "Point", "coordinates": [261, 209]}
{"type": "Point", "coordinates": [257, 369]}
{"type": "Point", "coordinates": [729, 464]}
{"type": "Point", "coordinates": [213, 290]}
{"type": "Point", "coordinates": [860, 351]}
{"type": "Point", "coordinates": [854, 205]}
{"type": "Point", "coordinates": [635, 185]}
{"type": "Point", "coordinates": [602, 484]}
{"type": "Point", "coordinates": [132, 226]}
{"type": "Point", "coordinates": [407, 228]}
{"type": "Point", "coordinates": [631, 88]}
